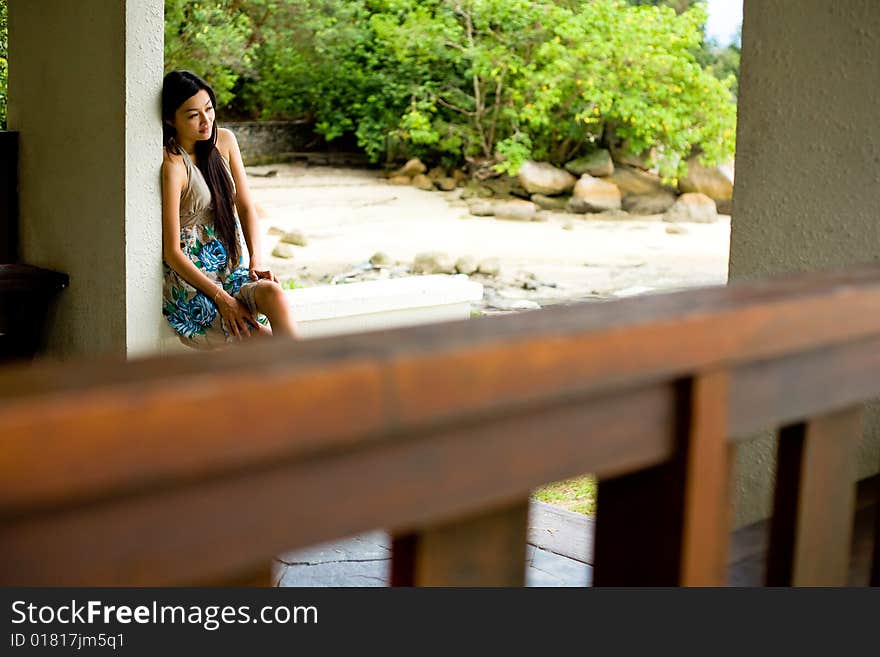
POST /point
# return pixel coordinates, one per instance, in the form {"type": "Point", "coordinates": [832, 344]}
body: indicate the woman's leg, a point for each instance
{"type": "Point", "coordinates": [273, 304]}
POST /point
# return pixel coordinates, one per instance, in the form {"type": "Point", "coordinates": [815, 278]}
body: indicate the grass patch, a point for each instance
{"type": "Point", "coordinates": [578, 494]}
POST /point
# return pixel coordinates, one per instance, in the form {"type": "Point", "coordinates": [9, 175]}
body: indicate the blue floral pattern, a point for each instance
{"type": "Point", "coordinates": [192, 314]}
{"type": "Point", "coordinates": [212, 255]}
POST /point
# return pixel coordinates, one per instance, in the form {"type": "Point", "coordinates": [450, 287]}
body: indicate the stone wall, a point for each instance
{"type": "Point", "coordinates": [263, 142]}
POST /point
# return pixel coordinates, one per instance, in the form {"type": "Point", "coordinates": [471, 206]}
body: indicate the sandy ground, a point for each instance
{"type": "Point", "coordinates": [347, 215]}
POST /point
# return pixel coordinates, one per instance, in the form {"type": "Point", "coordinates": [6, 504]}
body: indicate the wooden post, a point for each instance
{"type": "Point", "coordinates": [707, 489]}
{"type": "Point", "coordinates": [668, 525]}
{"type": "Point", "coordinates": [811, 528]}
{"type": "Point", "coordinates": [488, 549]}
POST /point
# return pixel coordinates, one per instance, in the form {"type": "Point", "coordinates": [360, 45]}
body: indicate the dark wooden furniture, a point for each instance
{"type": "Point", "coordinates": [199, 468]}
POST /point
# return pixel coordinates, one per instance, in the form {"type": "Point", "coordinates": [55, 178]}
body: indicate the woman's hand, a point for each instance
{"type": "Point", "coordinates": [236, 315]}
{"type": "Point", "coordinates": [257, 272]}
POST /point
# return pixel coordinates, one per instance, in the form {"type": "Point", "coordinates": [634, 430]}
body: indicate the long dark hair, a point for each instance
{"type": "Point", "coordinates": [177, 88]}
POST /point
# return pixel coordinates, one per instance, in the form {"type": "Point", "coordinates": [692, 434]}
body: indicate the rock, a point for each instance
{"type": "Point", "coordinates": [482, 208]}
{"type": "Point", "coordinates": [446, 184]}
{"type": "Point", "coordinates": [631, 180]}
{"type": "Point", "coordinates": [515, 210]}
{"type": "Point", "coordinates": [433, 262]}
{"type": "Point", "coordinates": [294, 237]}
{"type": "Point", "coordinates": [380, 259]}
{"type": "Point", "coordinates": [542, 215]}
{"type": "Point", "coordinates": [623, 154]}
{"type": "Point", "coordinates": [476, 190]}
{"type": "Point", "coordinates": [421, 181]}
{"type": "Point", "coordinates": [693, 207]}
{"type": "Point", "coordinates": [654, 203]}
{"type": "Point", "coordinates": [400, 180]}
{"type": "Point", "coordinates": [489, 267]}
{"type": "Point", "coordinates": [516, 304]}
{"type": "Point", "coordinates": [505, 187]}
{"type": "Point", "coordinates": [714, 182]}
{"type": "Point", "coordinates": [276, 230]}
{"type": "Point", "coordinates": [466, 265]}
{"type": "Point", "coordinates": [284, 250]}
{"type": "Point", "coordinates": [553, 203]}
{"type": "Point", "coordinates": [597, 163]}
{"type": "Point", "coordinates": [724, 207]}
{"type": "Point", "coordinates": [411, 168]}
{"type": "Point", "coordinates": [459, 176]}
{"type": "Point", "coordinates": [594, 195]}
{"type": "Point", "coordinates": [544, 178]}
{"type": "Point", "coordinates": [436, 173]}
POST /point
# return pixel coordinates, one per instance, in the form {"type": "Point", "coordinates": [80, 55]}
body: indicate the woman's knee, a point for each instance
{"type": "Point", "coordinates": [270, 294]}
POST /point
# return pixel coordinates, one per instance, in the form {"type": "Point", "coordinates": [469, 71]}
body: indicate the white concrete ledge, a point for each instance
{"type": "Point", "coordinates": [373, 305]}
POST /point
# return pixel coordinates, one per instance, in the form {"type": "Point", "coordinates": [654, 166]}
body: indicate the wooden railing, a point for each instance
{"type": "Point", "coordinates": [199, 468]}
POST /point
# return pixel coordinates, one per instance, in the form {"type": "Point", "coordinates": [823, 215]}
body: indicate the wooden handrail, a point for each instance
{"type": "Point", "coordinates": [197, 467]}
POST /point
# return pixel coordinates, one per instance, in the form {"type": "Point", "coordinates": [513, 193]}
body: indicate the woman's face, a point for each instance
{"type": "Point", "coordinates": [194, 119]}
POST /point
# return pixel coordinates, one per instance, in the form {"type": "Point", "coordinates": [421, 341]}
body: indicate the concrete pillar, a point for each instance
{"type": "Point", "coordinates": [807, 191]}
{"type": "Point", "coordinates": [84, 85]}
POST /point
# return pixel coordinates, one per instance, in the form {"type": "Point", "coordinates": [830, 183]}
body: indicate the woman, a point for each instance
{"type": "Point", "coordinates": [212, 296]}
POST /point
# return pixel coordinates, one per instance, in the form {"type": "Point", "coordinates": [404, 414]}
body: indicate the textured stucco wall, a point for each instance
{"type": "Point", "coordinates": [807, 191]}
{"type": "Point", "coordinates": [144, 63]}
{"type": "Point", "coordinates": [83, 85]}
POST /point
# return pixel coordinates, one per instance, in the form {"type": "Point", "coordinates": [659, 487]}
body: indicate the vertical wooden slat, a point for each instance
{"type": "Point", "coordinates": [259, 576]}
{"type": "Point", "coordinates": [668, 525]}
{"type": "Point", "coordinates": [707, 488]}
{"type": "Point", "coordinates": [483, 550]}
{"type": "Point", "coordinates": [638, 522]}
{"type": "Point", "coordinates": [811, 528]}
{"type": "Point", "coordinates": [403, 559]}
{"type": "Point", "coordinates": [875, 568]}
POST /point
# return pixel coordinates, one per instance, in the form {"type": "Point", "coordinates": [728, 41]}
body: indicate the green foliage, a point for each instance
{"type": "Point", "coordinates": [3, 64]}
{"type": "Point", "coordinates": [493, 82]}
{"type": "Point", "coordinates": [210, 38]}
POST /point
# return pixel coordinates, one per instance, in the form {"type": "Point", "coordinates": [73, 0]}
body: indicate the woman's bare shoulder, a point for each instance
{"type": "Point", "coordinates": [225, 135]}
{"type": "Point", "coordinates": [173, 167]}
{"type": "Point", "coordinates": [171, 159]}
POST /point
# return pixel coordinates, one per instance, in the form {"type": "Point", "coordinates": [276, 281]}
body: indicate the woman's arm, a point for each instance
{"type": "Point", "coordinates": [173, 183]}
{"type": "Point", "coordinates": [247, 212]}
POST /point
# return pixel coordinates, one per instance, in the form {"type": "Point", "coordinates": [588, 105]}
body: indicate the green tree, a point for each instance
{"type": "Point", "coordinates": [211, 38]}
{"type": "Point", "coordinates": [491, 81]}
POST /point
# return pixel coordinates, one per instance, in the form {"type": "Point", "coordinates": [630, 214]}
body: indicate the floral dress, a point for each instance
{"type": "Point", "coordinates": [190, 313]}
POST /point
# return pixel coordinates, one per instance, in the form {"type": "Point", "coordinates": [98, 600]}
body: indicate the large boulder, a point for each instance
{"type": "Point", "coordinates": [597, 163]}
{"type": "Point", "coordinates": [552, 203]}
{"type": "Point", "coordinates": [421, 181]}
{"type": "Point", "coordinates": [505, 187]}
{"type": "Point", "coordinates": [654, 203]}
{"type": "Point", "coordinates": [481, 207]}
{"type": "Point", "coordinates": [295, 237]}
{"type": "Point", "coordinates": [715, 182]}
{"type": "Point", "coordinates": [412, 168]}
{"type": "Point", "coordinates": [693, 207]}
{"type": "Point", "coordinates": [544, 178]}
{"type": "Point", "coordinates": [623, 153]}
{"type": "Point", "coordinates": [433, 262]}
{"type": "Point", "coordinates": [515, 210]}
{"type": "Point", "coordinates": [594, 195]}
{"type": "Point", "coordinates": [631, 180]}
